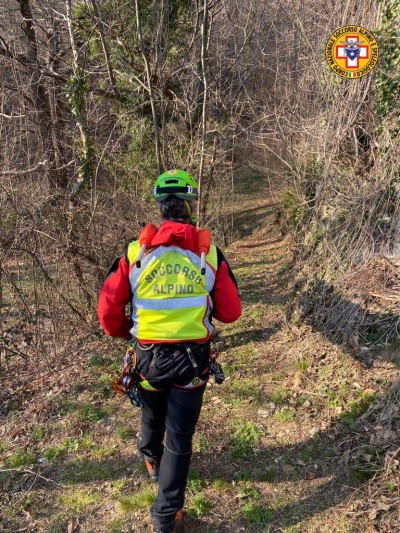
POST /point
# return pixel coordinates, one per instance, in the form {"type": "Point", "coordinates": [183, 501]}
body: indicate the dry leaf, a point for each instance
{"type": "Point", "coordinates": [73, 525]}
{"type": "Point", "coordinates": [298, 378]}
{"type": "Point", "coordinates": [383, 506]}
{"type": "Point", "coordinates": [373, 514]}
{"type": "Point", "coordinates": [390, 435]}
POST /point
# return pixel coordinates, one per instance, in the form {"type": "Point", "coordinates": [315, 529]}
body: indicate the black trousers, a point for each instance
{"type": "Point", "coordinates": [173, 379]}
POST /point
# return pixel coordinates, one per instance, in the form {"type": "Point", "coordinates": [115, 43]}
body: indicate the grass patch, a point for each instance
{"type": "Point", "coordinates": [280, 395]}
{"type": "Point", "coordinates": [70, 445]}
{"type": "Point", "coordinates": [315, 449]}
{"type": "Point", "coordinates": [20, 457]}
{"type": "Point", "coordinates": [231, 368]}
{"type": "Point", "coordinates": [246, 435]}
{"type": "Point", "coordinates": [39, 431]}
{"type": "Point", "coordinates": [103, 385]}
{"type": "Point", "coordinates": [245, 475]}
{"type": "Point", "coordinates": [199, 506]}
{"type": "Point", "coordinates": [202, 444]}
{"type": "Point", "coordinates": [195, 481]}
{"type": "Point", "coordinates": [90, 413]}
{"type": "Point", "coordinates": [303, 364]}
{"type": "Point", "coordinates": [220, 485]}
{"type": "Point", "coordinates": [359, 475]}
{"type": "Point", "coordinates": [86, 471]}
{"type": "Point", "coordinates": [269, 476]}
{"type": "Point", "coordinates": [102, 452]}
{"type": "Point", "coordinates": [53, 452]}
{"type": "Point", "coordinates": [356, 408]}
{"type": "Point", "coordinates": [59, 522]}
{"type": "Point", "coordinates": [79, 499]}
{"type": "Point", "coordinates": [285, 415]}
{"type": "Point", "coordinates": [256, 514]}
{"type": "Point", "coordinates": [86, 442]}
{"type": "Point", "coordinates": [120, 524]}
{"type": "Point", "coordinates": [67, 407]}
{"type": "Point", "coordinates": [243, 388]}
{"type": "Point", "coordinates": [249, 492]}
{"type": "Point", "coordinates": [142, 499]}
{"type": "Point", "coordinates": [124, 432]}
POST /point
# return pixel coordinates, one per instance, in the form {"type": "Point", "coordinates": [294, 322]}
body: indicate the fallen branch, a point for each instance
{"type": "Point", "coordinates": [22, 172]}
{"type": "Point", "coordinates": [26, 471]}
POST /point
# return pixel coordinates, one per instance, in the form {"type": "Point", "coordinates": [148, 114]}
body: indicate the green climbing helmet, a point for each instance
{"type": "Point", "coordinates": [176, 182]}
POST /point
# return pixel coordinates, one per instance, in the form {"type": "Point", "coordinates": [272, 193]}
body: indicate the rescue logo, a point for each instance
{"type": "Point", "coordinates": [352, 52]}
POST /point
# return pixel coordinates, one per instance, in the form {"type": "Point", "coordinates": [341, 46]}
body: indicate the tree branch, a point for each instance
{"type": "Point", "coordinates": [22, 172]}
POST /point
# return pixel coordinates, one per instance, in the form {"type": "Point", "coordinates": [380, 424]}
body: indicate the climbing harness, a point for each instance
{"type": "Point", "coordinates": [215, 369]}
{"type": "Point", "coordinates": [127, 385]}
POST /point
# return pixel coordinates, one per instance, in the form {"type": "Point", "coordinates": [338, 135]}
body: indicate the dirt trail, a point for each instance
{"type": "Point", "coordinates": [272, 452]}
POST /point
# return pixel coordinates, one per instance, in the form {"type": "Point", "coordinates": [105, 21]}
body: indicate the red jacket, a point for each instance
{"type": "Point", "coordinates": [115, 294]}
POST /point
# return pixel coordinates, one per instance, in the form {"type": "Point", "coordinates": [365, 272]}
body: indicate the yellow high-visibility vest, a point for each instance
{"type": "Point", "coordinates": [171, 298]}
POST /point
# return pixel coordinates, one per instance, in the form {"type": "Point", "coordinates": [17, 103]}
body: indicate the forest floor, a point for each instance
{"type": "Point", "coordinates": [289, 443]}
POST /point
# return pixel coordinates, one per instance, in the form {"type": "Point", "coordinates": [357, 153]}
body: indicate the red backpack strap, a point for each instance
{"type": "Point", "coordinates": [203, 247]}
{"type": "Point", "coordinates": [146, 236]}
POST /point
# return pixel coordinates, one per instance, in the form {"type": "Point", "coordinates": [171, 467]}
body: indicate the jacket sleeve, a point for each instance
{"type": "Point", "coordinates": [225, 295]}
{"type": "Point", "coordinates": [115, 295]}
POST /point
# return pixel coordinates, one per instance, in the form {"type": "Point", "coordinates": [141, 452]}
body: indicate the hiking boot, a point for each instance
{"type": "Point", "coordinates": [153, 468]}
{"type": "Point", "coordinates": [178, 521]}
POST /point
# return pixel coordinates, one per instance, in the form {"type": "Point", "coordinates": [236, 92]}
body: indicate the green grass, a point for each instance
{"type": "Point", "coordinates": [78, 499]}
{"type": "Point", "coordinates": [242, 389]}
{"type": "Point", "coordinates": [59, 522]}
{"type": "Point", "coordinates": [199, 505]}
{"type": "Point", "coordinates": [90, 413]}
{"type": "Point", "coordinates": [195, 481]}
{"type": "Point", "coordinates": [67, 407]}
{"type": "Point", "coordinates": [140, 500]}
{"type": "Point", "coordinates": [285, 415]}
{"type": "Point", "coordinates": [220, 485]}
{"type": "Point", "coordinates": [360, 474]}
{"type": "Point", "coordinates": [102, 452]}
{"type": "Point", "coordinates": [245, 436]}
{"type": "Point", "coordinates": [279, 395]}
{"type": "Point", "coordinates": [256, 514]}
{"type": "Point", "coordinates": [20, 457]}
{"type": "Point", "coordinates": [303, 364]}
{"type": "Point", "coordinates": [53, 452]}
{"type": "Point", "coordinates": [248, 492]}
{"type": "Point", "coordinates": [39, 431]}
{"type": "Point", "coordinates": [202, 444]}
{"type": "Point", "coordinates": [86, 442]}
{"type": "Point", "coordinates": [121, 524]}
{"type": "Point", "coordinates": [87, 471]}
{"type": "Point", "coordinates": [124, 432]}
{"type": "Point", "coordinates": [269, 476]}
{"type": "Point", "coordinates": [70, 445]}
{"type": "Point", "coordinates": [244, 475]}
{"type": "Point", "coordinates": [231, 368]}
{"type": "Point", "coordinates": [356, 408]}
{"type": "Point", "coordinates": [316, 449]}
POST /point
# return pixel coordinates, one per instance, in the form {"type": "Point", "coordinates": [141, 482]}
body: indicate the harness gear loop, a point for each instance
{"type": "Point", "coordinates": [215, 369]}
{"type": "Point", "coordinates": [127, 385]}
